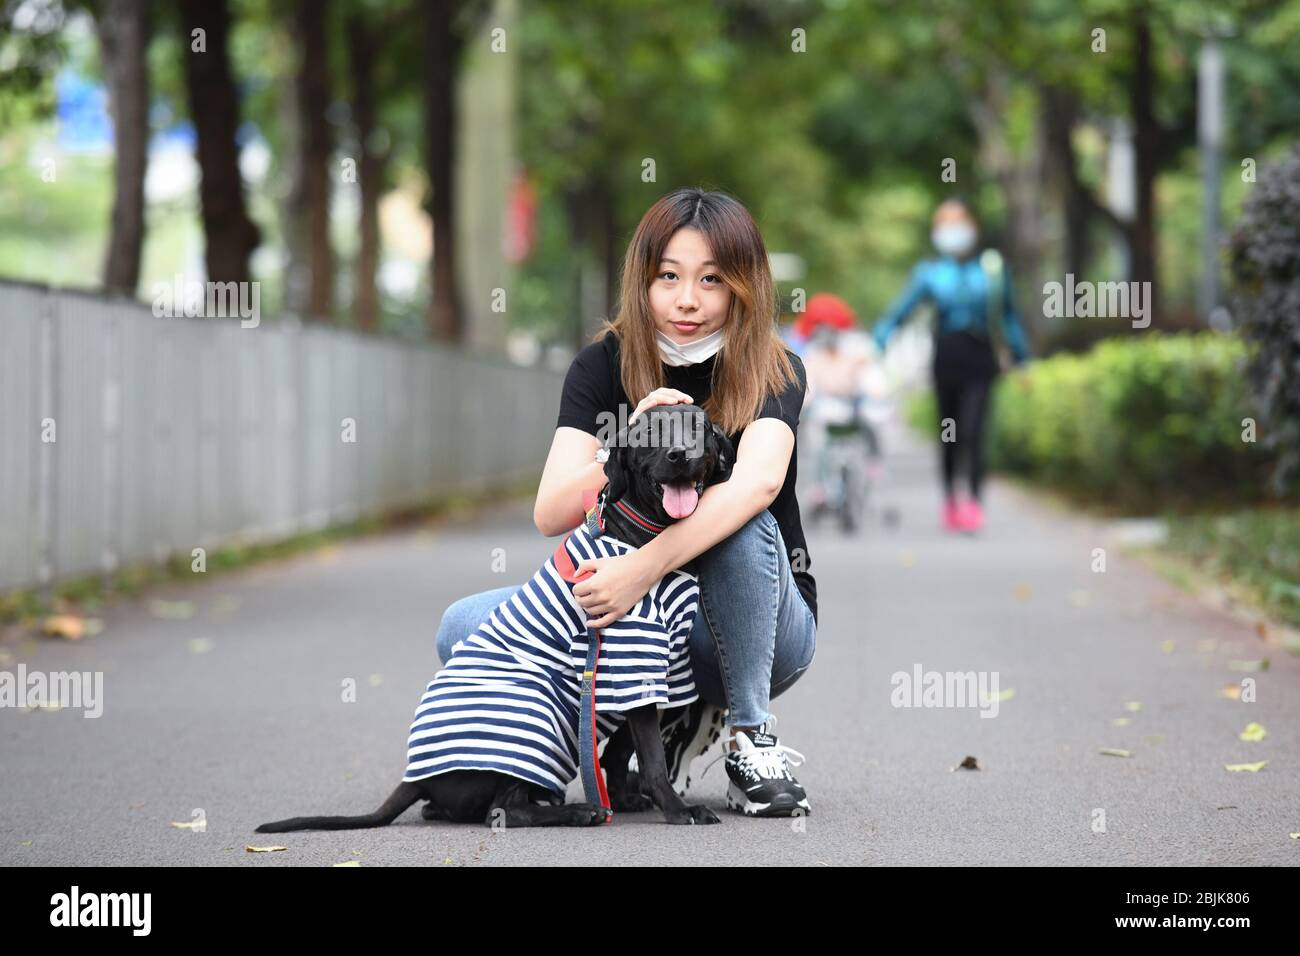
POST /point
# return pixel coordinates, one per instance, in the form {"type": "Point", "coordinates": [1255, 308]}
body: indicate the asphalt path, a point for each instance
{"type": "Point", "coordinates": [225, 703]}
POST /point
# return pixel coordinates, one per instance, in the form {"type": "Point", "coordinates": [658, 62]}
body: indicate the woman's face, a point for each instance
{"type": "Point", "coordinates": [688, 299]}
{"type": "Point", "coordinates": [953, 230]}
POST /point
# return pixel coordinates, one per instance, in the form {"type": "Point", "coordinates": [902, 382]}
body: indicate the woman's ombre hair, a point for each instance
{"type": "Point", "coordinates": [752, 364]}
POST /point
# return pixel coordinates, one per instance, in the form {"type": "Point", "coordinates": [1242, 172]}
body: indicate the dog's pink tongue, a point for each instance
{"type": "Point", "coordinates": [680, 500]}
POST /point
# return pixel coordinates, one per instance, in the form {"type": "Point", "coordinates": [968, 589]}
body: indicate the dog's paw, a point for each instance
{"type": "Point", "coordinates": [692, 815]}
{"type": "Point", "coordinates": [587, 815]}
{"type": "Point", "coordinates": [702, 814]}
{"type": "Point", "coordinates": [631, 802]}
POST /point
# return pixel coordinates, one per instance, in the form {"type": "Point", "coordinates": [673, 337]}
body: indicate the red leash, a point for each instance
{"type": "Point", "coordinates": [593, 777]}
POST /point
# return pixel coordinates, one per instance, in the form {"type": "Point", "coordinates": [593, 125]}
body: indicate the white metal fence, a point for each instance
{"type": "Point", "coordinates": [127, 438]}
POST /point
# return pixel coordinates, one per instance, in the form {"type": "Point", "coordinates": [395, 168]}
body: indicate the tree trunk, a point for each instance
{"type": "Point", "coordinates": [1060, 113]}
{"type": "Point", "coordinates": [1146, 143]}
{"type": "Point", "coordinates": [611, 259]}
{"type": "Point", "coordinates": [362, 43]}
{"type": "Point", "coordinates": [124, 27]}
{"type": "Point", "coordinates": [577, 209]}
{"type": "Point", "coordinates": [311, 257]}
{"type": "Point", "coordinates": [444, 45]}
{"type": "Point", "coordinates": [231, 236]}
{"type": "Point", "coordinates": [1021, 182]}
{"type": "Point", "coordinates": [1081, 207]}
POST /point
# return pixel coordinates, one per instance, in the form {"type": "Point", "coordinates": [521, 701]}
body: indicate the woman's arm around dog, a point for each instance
{"type": "Point", "coordinates": [756, 479]}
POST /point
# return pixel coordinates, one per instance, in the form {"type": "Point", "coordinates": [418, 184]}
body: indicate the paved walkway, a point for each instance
{"type": "Point", "coordinates": [236, 710]}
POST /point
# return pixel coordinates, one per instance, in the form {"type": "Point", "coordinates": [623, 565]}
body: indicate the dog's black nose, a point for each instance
{"type": "Point", "coordinates": [675, 453]}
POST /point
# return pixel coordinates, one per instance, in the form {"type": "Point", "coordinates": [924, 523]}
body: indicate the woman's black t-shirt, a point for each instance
{"type": "Point", "coordinates": [593, 386]}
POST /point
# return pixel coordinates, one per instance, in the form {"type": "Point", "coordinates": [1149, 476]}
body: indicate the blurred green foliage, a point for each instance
{"type": "Point", "coordinates": [1137, 424]}
{"type": "Point", "coordinates": [1258, 549]}
{"type": "Point", "coordinates": [835, 146]}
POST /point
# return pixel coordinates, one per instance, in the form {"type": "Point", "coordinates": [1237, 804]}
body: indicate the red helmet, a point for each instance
{"type": "Point", "coordinates": [825, 309]}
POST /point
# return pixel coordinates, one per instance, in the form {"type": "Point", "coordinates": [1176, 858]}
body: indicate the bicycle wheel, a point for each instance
{"type": "Point", "coordinates": [847, 505]}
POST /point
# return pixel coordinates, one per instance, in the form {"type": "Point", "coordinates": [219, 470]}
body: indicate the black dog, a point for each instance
{"type": "Point", "coordinates": [661, 480]}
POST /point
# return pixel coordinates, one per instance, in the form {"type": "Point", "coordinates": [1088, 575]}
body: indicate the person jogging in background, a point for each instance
{"type": "Point", "coordinates": [971, 293]}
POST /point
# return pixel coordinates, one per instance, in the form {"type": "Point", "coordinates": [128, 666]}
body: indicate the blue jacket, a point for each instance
{"type": "Point", "coordinates": [959, 291]}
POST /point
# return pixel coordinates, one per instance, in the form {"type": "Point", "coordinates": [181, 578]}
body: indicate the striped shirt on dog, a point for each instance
{"type": "Point", "coordinates": [508, 699]}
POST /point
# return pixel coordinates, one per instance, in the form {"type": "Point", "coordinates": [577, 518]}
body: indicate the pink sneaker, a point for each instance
{"type": "Point", "coordinates": [952, 515]}
{"type": "Point", "coordinates": [970, 515]}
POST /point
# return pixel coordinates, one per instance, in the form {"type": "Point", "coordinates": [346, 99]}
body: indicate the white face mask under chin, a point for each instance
{"type": "Point", "coordinates": [690, 353]}
{"type": "Point", "coordinates": [953, 239]}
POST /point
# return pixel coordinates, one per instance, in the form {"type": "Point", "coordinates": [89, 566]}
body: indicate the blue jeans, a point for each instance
{"type": "Point", "coordinates": [754, 635]}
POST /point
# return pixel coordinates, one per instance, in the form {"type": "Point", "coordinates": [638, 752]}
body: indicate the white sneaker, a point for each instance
{"type": "Point", "coordinates": [761, 782]}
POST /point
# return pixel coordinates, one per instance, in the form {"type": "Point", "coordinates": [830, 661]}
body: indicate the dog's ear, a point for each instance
{"type": "Point", "coordinates": [726, 454]}
{"type": "Point", "coordinates": [616, 470]}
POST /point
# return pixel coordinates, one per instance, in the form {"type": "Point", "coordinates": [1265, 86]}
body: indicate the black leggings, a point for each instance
{"type": "Point", "coordinates": [964, 369]}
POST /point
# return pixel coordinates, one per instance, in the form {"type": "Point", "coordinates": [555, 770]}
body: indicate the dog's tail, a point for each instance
{"type": "Point", "coordinates": [396, 804]}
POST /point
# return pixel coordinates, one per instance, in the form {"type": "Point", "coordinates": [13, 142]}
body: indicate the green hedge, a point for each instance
{"type": "Point", "coordinates": [1138, 423]}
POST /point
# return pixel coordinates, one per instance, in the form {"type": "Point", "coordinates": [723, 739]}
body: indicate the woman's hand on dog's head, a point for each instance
{"type": "Point", "coordinates": [661, 396]}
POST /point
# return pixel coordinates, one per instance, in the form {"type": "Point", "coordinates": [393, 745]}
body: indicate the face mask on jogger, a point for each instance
{"type": "Point", "coordinates": [953, 239]}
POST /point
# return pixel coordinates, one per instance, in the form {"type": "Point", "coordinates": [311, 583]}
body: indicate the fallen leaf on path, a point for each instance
{"type": "Point", "coordinates": [190, 824]}
{"type": "Point", "coordinates": [224, 604]}
{"type": "Point", "coordinates": [200, 645]}
{"type": "Point", "coordinates": [1022, 592]}
{"type": "Point", "coordinates": [1166, 647]}
{"type": "Point", "coordinates": [1294, 836]}
{"type": "Point", "coordinates": [970, 763]}
{"type": "Point", "coordinates": [29, 842]}
{"type": "Point", "coordinates": [1120, 721]}
{"type": "Point", "coordinates": [1007, 694]}
{"type": "Point", "coordinates": [1248, 767]}
{"type": "Point", "coordinates": [1115, 752]}
{"type": "Point", "coordinates": [264, 849]}
{"type": "Point", "coordinates": [1261, 630]}
{"type": "Point", "coordinates": [1080, 598]}
{"type": "Point", "coordinates": [1133, 706]}
{"type": "Point", "coordinates": [1232, 692]}
{"type": "Point", "coordinates": [376, 679]}
{"type": "Point", "coordinates": [1248, 666]}
{"type": "Point", "coordinates": [171, 610]}
{"type": "Point", "coordinates": [1154, 738]}
{"type": "Point", "coordinates": [69, 626]}
{"type": "Point", "coordinates": [349, 863]}
{"type": "Point", "coordinates": [1253, 732]}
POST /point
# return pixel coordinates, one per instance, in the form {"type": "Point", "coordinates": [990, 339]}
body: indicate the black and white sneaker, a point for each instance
{"type": "Point", "coordinates": [689, 736]}
{"type": "Point", "coordinates": [761, 782]}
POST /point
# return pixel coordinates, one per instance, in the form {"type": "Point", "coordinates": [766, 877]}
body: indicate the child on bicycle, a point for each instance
{"type": "Point", "coordinates": [838, 360]}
